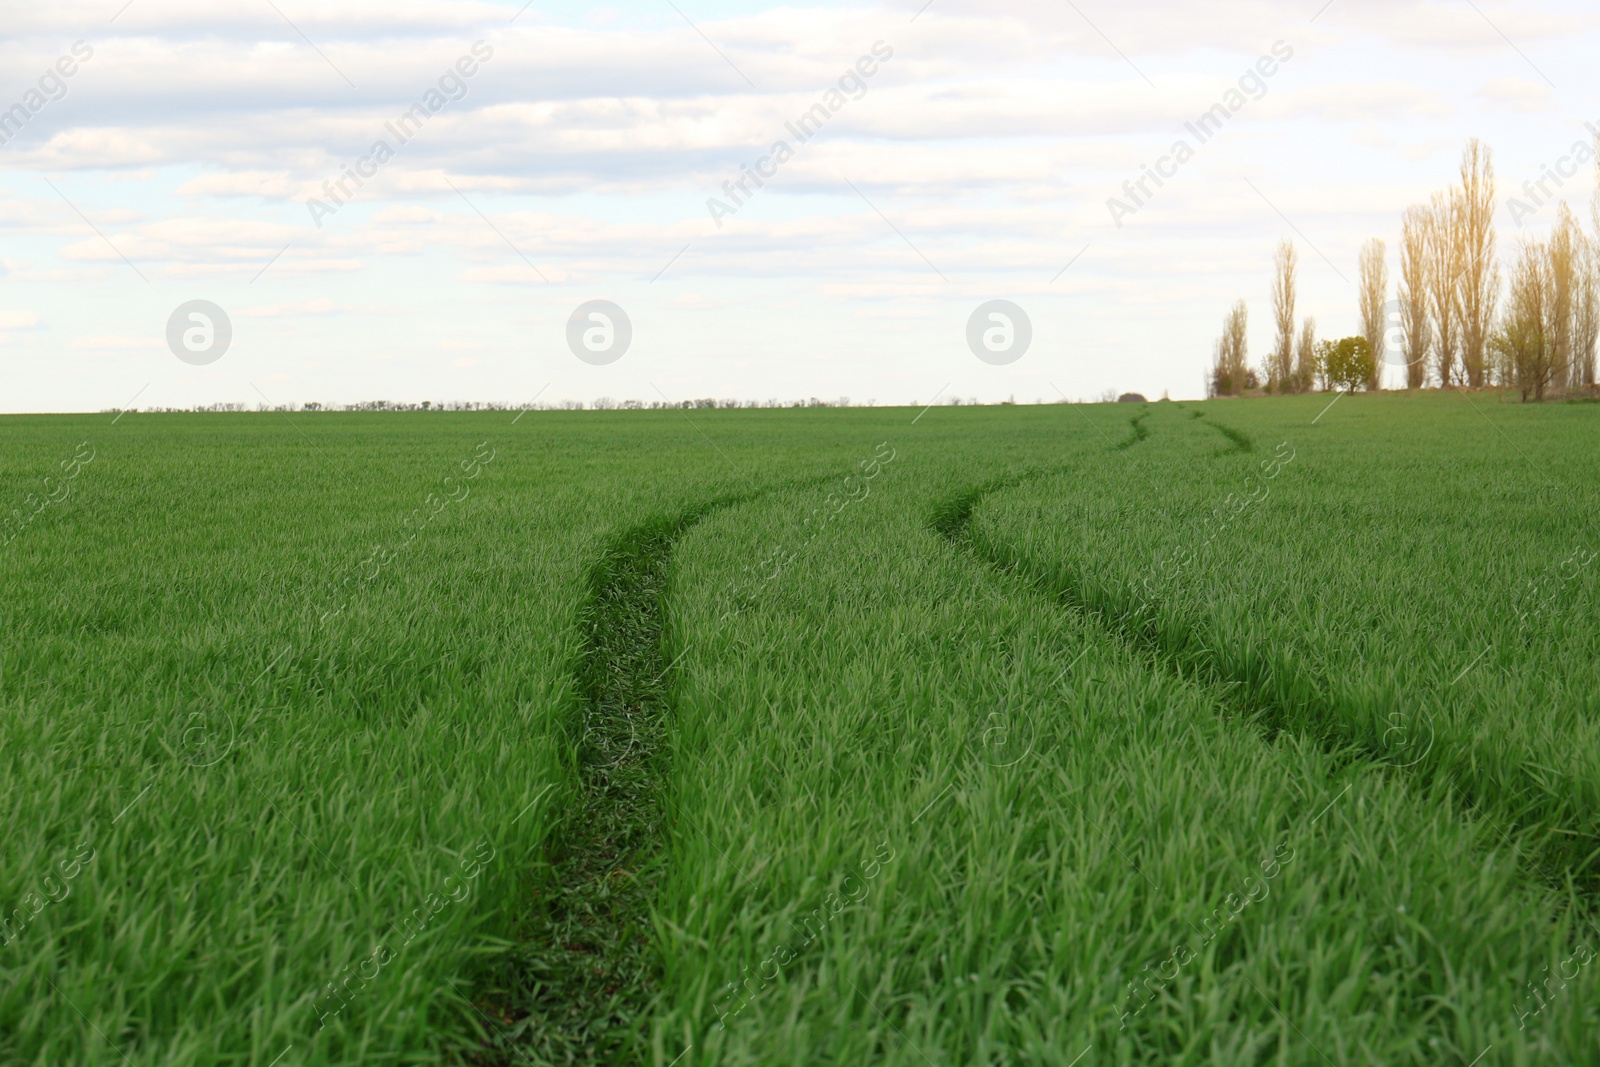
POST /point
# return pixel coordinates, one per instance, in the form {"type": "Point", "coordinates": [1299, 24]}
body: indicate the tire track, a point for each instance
{"type": "Point", "coordinates": [1253, 693]}
{"type": "Point", "coordinates": [582, 984]}
{"type": "Point", "coordinates": [952, 520]}
{"type": "Point", "coordinates": [1140, 430]}
{"type": "Point", "coordinates": [1242, 442]}
{"type": "Point", "coordinates": [584, 977]}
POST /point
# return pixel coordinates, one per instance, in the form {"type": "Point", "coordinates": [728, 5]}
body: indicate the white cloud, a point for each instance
{"type": "Point", "coordinates": [243, 183]}
{"type": "Point", "coordinates": [590, 142]}
{"type": "Point", "coordinates": [305, 307]}
{"type": "Point", "coordinates": [517, 275]}
{"type": "Point", "coordinates": [113, 343]}
{"type": "Point", "coordinates": [1519, 94]}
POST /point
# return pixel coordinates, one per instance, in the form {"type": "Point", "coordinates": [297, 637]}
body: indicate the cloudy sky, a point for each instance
{"type": "Point", "coordinates": [196, 151]}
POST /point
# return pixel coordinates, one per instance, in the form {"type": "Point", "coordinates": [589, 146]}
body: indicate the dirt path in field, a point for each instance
{"type": "Point", "coordinates": [584, 978]}
{"type": "Point", "coordinates": [581, 985]}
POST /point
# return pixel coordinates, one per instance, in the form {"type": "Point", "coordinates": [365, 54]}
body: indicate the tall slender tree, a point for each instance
{"type": "Point", "coordinates": [1238, 337]}
{"type": "Point", "coordinates": [1585, 314]}
{"type": "Point", "coordinates": [1231, 355]}
{"type": "Point", "coordinates": [1374, 294]}
{"type": "Point", "coordinates": [1479, 279]}
{"type": "Point", "coordinates": [1217, 378]}
{"type": "Point", "coordinates": [1413, 295]}
{"type": "Point", "coordinates": [1565, 258]}
{"type": "Point", "coordinates": [1280, 366]}
{"type": "Point", "coordinates": [1586, 332]}
{"type": "Point", "coordinates": [1444, 284]}
{"type": "Point", "coordinates": [1305, 357]}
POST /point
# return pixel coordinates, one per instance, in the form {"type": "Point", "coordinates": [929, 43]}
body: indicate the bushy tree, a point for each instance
{"type": "Point", "coordinates": [1347, 363]}
{"type": "Point", "coordinates": [1525, 342]}
{"type": "Point", "coordinates": [1230, 375]}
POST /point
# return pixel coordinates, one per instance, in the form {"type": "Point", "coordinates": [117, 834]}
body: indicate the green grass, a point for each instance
{"type": "Point", "coordinates": [583, 974]}
{"type": "Point", "coordinates": [803, 737]}
{"type": "Point", "coordinates": [1411, 582]}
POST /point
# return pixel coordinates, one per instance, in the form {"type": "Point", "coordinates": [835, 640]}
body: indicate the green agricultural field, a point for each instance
{"type": "Point", "coordinates": [1237, 732]}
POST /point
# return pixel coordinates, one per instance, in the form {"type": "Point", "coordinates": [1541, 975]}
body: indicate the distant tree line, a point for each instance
{"type": "Point", "coordinates": [604, 403]}
{"type": "Point", "coordinates": [1447, 325]}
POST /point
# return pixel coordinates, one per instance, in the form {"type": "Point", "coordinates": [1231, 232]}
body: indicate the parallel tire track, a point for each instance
{"type": "Point", "coordinates": [1177, 650]}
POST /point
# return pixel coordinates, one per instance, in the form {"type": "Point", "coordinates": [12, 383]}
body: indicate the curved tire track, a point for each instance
{"type": "Point", "coordinates": [1140, 430]}
{"type": "Point", "coordinates": [584, 980]}
{"type": "Point", "coordinates": [1241, 441]}
{"type": "Point", "coordinates": [584, 977]}
{"type": "Point", "coordinates": [1251, 695]}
